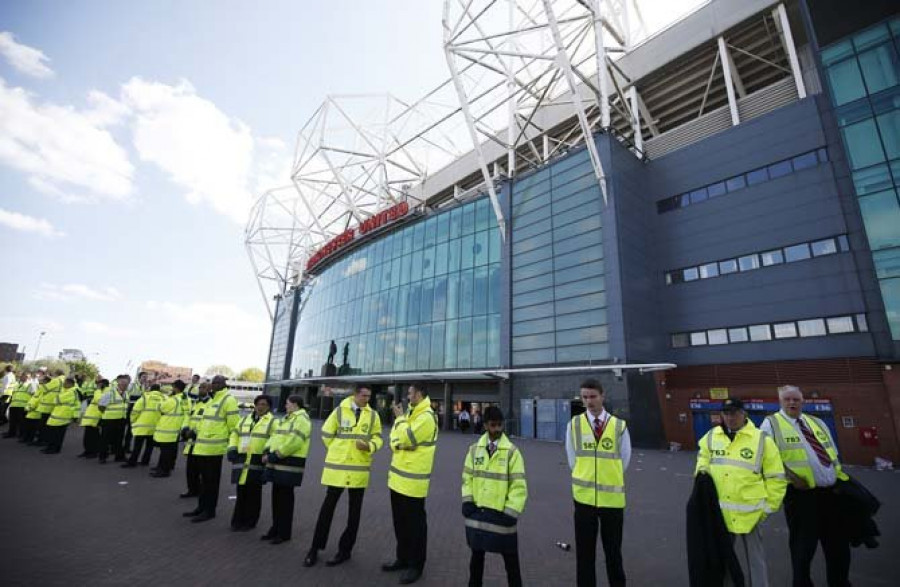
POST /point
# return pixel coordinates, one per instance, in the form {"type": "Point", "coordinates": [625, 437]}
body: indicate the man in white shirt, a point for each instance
{"type": "Point", "coordinates": [810, 504]}
{"type": "Point", "coordinates": [598, 448]}
{"type": "Point", "coordinates": [7, 383]}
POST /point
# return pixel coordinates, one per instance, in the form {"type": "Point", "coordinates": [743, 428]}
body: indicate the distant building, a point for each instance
{"type": "Point", "coordinates": [8, 352]}
{"type": "Point", "coordinates": [71, 355]}
{"type": "Point", "coordinates": [160, 372]}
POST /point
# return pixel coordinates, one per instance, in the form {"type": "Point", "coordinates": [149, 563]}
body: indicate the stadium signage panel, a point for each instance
{"type": "Point", "coordinates": [377, 221]}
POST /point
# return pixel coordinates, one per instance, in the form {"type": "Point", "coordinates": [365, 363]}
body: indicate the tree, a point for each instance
{"type": "Point", "coordinates": [225, 370]}
{"type": "Point", "coordinates": [253, 374]}
{"type": "Point", "coordinates": [85, 369]}
{"type": "Point", "coordinates": [51, 365]}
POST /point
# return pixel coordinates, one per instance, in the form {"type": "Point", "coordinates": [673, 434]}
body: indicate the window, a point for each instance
{"type": "Point", "coordinates": [796, 253]}
{"type": "Point", "coordinates": [749, 263]}
{"type": "Point", "coordinates": [757, 176]}
{"type": "Point", "coordinates": [880, 68]}
{"type": "Point", "coordinates": [691, 274]}
{"type": "Point", "coordinates": [805, 160]}
{"type": "Point", "coordinates": [770, 258]}
{"type": "Point", "coordinates": [735, 183]}
{"type": "Point", "coordinates": [814, 327]}
{"type": "Point", "coordinates": [680, 340]}
{"type": "Point", "coordinates": [779, 169]}
{"type": "Point", "coordinates": [709, 270]}
{"type": "Point", "coordinates": [738, 335]}
{"type": "Point", "coordinates": [824, 247]}
{"type": "Point", "coordinates": [881, 213]}
{"type": "Point", "coordinates": [717, 189]}
{"type": "Point", "coordinates": [729, 266]}
{"type": "Point", "coordinates": [698, 195]}
{"type": "Point", "coordinates": [840, 325]}
{"type": "Point", "coordinates": [698, 338]}
{"type": "Point", "coordinates": [843, 243]}
{"type": "Point", "coordinates": [760, 332]}
{"type": "Point", "coordinates": [846, 82]}
{"type": "Point", "coordinates": [861, 324]}
{"type": "Point", "coordinates": [785, 330]}
{"type": "Point", "coordinates": [863, 144]}
{"type": "Point", "coordinates": [718, 336]}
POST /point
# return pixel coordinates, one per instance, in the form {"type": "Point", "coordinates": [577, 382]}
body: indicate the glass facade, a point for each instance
{"type": "Point", "coordinates": [863, 72]}
{"type": "Point", "coordinates": [558, 288]}
{"type": "Point", "coordinates": [424, 298]}
{"type": "Point", "coordinates": [280, 337]}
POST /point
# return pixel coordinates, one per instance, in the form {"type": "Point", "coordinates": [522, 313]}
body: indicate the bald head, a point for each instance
{"type": "Point", "coordinates": [791, 399]}
{"type": "Point", "coordinates": [218, 383]}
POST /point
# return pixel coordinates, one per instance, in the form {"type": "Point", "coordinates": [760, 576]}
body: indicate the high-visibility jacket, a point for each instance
{"type": "Point", "coordinates": [145, 414]}
{"type": "Point", "coordinates": [135, 391]}
{"type": "Point", "coordinates": [598, 477]}
{"type": "Point", "coordinates": [87, 390]}
{"type": "Point", "coordinates": [20, 395]}
{"type": "Point", "coordinates": [196, 414]}
{"type": "Point", "coordinates": [31, 408]}
{"type": "Point", "coordinates": [91, 416]}
{"type": "Point", "coordinates": [191, 391]}
{"type": "Point", "coordinates": [117, 408]}
{"type": "Point", "coordinates": [220, 417]}
{"type": "Point", "coordinates": [291, 440]}
{"type": "Point", "coordinates": [793, 453]}
{"type": "Point", "coordinates": [173, 417]}
{"type": "Point", "coordinates": [345, 465]}
{"type": "Point", "coordinates": [67, 407]}
{"type": "Point", "coordinates": [495, 485]}
{"type": "Point", "coordinates": [249, 439]}
{"type": "Point", "coordinates": [50, 395]}
{"type": "Point", "coordinates": [748, 474]}
{"type": "Point", "coordinates": [413, 441]}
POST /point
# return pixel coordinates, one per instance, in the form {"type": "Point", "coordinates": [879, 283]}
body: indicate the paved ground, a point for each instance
{"type": "Point", "coordinates": [69, 522]}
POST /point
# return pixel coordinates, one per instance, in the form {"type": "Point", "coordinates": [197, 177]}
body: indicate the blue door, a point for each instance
{"type": "Point", "coordinates": [702, 423]}
{"type": "Point", "coordinates": [546, 419]}
{"type": "Point", "coordinates": [563, 415]}
{"type": "Point", "coordinates": [526, 418]}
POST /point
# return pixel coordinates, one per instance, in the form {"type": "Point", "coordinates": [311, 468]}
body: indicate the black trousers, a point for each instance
{"type": "Point", "coordinates": [282, 511]}
{"type": "Point", "coordinates": [111, 432]}
{"type": "Point", "coordinates": [410, 529]}
{"type": "Point", "coordinates": [209, 469]}
{"type": "Point", "coordinates": [30, 429]}
{"type": "Point", "coordinates": [813, 517]}
{"type": "Point", "coordinates": [91, 441]}
{"type": "Point", "coordinates": [55, 436]}
{"type": "Point", "coordinates": [4, 403]}
{"type": "Point", "coordinates": [326, 513]}
{"type": "Point", "coordinates": [168, 453]}
{"type": "Point", "coordinates": [610, 522]}
{"type": "Point", "coordinates": [42, 429]}
{"type": "Point", "coordinates": [126, 439]}
{"type": "Point", "coordinates": [247, 506]}
{"type": "Point", "coordinates": [192, 475]}
{"type": "Point", "coordinates": [141, 441]}
{"type": "Point", "coordinates": [16, 421]}
{"type": "Point", "coordinates": [510, 561]}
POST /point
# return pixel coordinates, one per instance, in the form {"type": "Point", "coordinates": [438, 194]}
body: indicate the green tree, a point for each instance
{"type": "Point", "coordinates": [51, 365]}
{"type": "Point", "coordinates": [253, 374]}
{"type": "Point", "coordinates": [85, 369]}
{"type": "Point", "coordinates": [225, 370]}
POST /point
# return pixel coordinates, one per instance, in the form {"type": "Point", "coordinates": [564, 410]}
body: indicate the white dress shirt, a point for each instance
{"type": "Point", "coordinates": [823, 476]}
{"type": "Point", "coordinates": [624, 442]}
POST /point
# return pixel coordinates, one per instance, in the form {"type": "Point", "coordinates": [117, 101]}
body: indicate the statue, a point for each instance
{"type": "Point", "coordinates": [332, 351]}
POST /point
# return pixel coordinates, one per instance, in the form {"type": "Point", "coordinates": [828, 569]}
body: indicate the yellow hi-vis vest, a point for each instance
{"type": "Point", "coordinates": [748, 474]}
{"type": "Point", "coordinates": [117, 408]}
{"type": "Point", "coordinates": [220, 417]}
{"type": "Point", "coordinates": [67, 407]}
{"type": "Point", "coordinates": [249, 440]}
{"type": "Point", "coordinates": [196, 414]}
{"type": "Point", "coordinates": [413, 441]}
{"type": "Point", "coordinates": [345, 465]}
{"type": "Point", "coordinates": [495, 481]}
{"type": "Point", "coordinates": [91, 416]}
{"type": "Point", "coordinates": [20, 395]}
{"type": "Point", "coordinates": [145, 414]}
{"type": "Point", "coordinates": [789, 441]}
{"type": "Point", "coordinates": [598, 478]}
{"type": "Point", "coordinates": [50, 396]}
{"type": "Point", "coordinates": [172, 419]}
{"type": "Point", "coordinates": [31, 408]}
{"type": "Point", "coordinates": [291, 441]}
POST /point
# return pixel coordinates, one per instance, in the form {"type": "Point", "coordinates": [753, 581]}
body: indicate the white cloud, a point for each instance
{"type": "Point", "coordinates": [25, 59]}
{"type": "Point", "coordinates": [49, 291]}
{"type": "Point", "coordinates": [213, 156]}
{"type": "Point", "coordinates": [25, 223]}
{"type": "Point", "coordinates": [105, 111]}
{"type": "Point", "coordinates": [61, 148]}
{"type": "Point", "coordinates": [102, 329]}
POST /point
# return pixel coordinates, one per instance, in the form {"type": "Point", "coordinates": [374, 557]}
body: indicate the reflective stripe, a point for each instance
{"type": "Point", "coordinates": [428, 443]}
{"type": "Point", "coordinates": [168, 430]}
{"type": "Point", "coordinates": [488, 527]}
{"type": "Point", "coordinates": [348, 436]}
{"type": "Point", "coordinates": [259, 435]}
{"type": "Point", "coordinates": [346, 467]}
{"type": "Point", "coordinates": [732, 463]}
{"type": "Point", "coordinates": [595, 454]}
{"type": "Point", "coordinates": [211, 441]}
{"type": "Point", "coordinates": [759, 453]}
{"type": "Point", "coordinates": [412, 437]}
{"type": "Point", "coordinates": [424, 476]}
{"type": "Point", "coordinates": [287, 468]}
{"type": "Point", "coordinates": [328, 435]}
{"type": "Point", "coordinates": [598, 487]}
{"type": "Point", "coordinates": [511, 512]}
{"type": "Point", "coordinates": [776, 476]}
{"type": "Point", "coordinates": [795, 464]}
{"type": "Point", "coordinates": [744, 507]}
{"type": "Point", "coordinates": [468, 498]}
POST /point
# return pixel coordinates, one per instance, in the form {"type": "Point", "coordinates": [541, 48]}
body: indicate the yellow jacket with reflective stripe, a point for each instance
{"type": "Point", "coordinates": [598, 477]}
{"type": "Point", "coordinates": [220, 417]}
{"type": "Point", "coordinates": [117, 408]}
{"type": "Point", "coordinates": [196, 413]}
{"type": "Point", "coordinates": [20, 395]}
{"type": "Point", "coordinates": [50, 394]}
{"type": "Point", "coordinates": [345, 465]}
{"type": "Point", "coordinates": [31, 408]}
{"type": "Point", "coordinates": [793, 452]}
{"type": "Point", "coordinates": [496, 482]}
{"type": "Point", "coordinates": [748, 474]}
{"type": "Point", "coordinates": [145, 413]}
{"type": "Point", "coordinates": [67, 408]}
{"type": "Point", "coordinates": [413, 441]}
{"type": "Point", "coordinates": [172, 418]}
{"type": "Point", "coordinates": [250, 439]}
{"type": "Point", "coordinates": [91, 416]}
{"type": "Point", "coordinates": [291, 435]}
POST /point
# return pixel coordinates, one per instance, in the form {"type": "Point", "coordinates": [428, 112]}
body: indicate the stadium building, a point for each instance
{"type": "Point", "coordinates": [706, 211]}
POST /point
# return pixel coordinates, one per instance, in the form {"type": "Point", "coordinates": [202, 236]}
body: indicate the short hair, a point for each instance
{"type": "Point", "coordinates": [420, 387]}
{"type": "Point", "coordinates": [104, 383]}
{"type": "Point", "coordinates": [123, 376]}
{"type": "Point", "coordinates": [591, 383]}
{"type": "Point", "coordinates": [785, 388]}
{"type": "Point", "coordinates": [70, 380]}
{"type": "Point", "coordinates": [154, 387]}
{"type": "Point", "coordinates": [142, 373]}
{"type": "Point", "coordinates": [9, 368]}
{"type": "Point", "coordinates": [197, 375]}
{"type": "Point", "coordinates": [362, 386]}
{"type": "Point", "coordinates": [178, 384]}
{"type": "Point", "coordinates": [297, 400]}
{"type": "Point", "coordinates": [493, 414]}
{"type": "Point", "coordinates": [264, 398]}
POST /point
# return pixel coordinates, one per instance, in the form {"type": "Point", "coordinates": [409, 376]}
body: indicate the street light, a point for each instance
{"type": "Point", "coordinates": [37, 347]}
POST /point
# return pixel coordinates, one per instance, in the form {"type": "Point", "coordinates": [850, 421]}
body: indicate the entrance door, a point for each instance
{"type": "Point", "coordinates": [526, 418]}
{"type": "Point", "coordinates": [546, 419]}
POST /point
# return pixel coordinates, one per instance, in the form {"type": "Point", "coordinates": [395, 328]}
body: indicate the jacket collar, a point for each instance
{"type": "Point", "coordinates": [420, 407]}
{"type": "Point", "coordinates": [502, 442]}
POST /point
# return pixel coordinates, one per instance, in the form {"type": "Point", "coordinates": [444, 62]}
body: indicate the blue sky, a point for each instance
{"type": "Point", "coordinates": [133, 138]}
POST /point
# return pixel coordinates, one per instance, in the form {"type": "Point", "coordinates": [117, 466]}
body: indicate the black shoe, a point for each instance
{"type": "Point", "coordinates": [189, 494]}
{"type": "Point", "coordinates": [191, 513]}
{"type": "Point", "coordinates": [410, 575]}
{"type": "Point", "coordinates": [203, 518]}
{"type": "Point", "coordinates": [145, 464]}
{"type": "Point", "coordinates": [311, 557]}
{"type": "Point", "coordinates": [394, 566]}
{"type": "Point", "coordinates": [120, 459]}
{"type": "Point", "coordinates": [267, 536]}
{"type": "Point", "coordinates": [339, 559]}
{"type": "Point", "coordinates": [279, 540]}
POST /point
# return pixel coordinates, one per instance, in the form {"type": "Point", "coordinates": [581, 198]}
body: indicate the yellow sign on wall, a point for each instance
{"type": "Point", "coordinates": [718, 393]}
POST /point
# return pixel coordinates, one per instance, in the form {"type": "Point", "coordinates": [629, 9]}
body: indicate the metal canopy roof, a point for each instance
{"type": "Point", "coordinates": [474, 374]}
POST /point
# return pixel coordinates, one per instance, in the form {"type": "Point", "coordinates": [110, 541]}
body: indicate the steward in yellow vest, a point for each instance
{"type": "Point", "coordinates": [352, 434]}
{"type": "Point", "coordinates": [90, 421]}
{"type": "Point", "coordinates": [49, 398]}
{"type": "Point", "coordinates": [494, 492]}
{"type": "Point", "coordinates": [64, 412]}
{"type": "Point", "coordinates": [812, 506]}
{"type": "Point", "coordinates": [113, 405]}
{"type": "Point", "coordinates": [285, 460]}
{"type": "Point", "coordinates": [245, 452]}
{"type": "Point", "coordinates": [32, 423]}
{"type": "Point", "coordinates": [144, 416]}
{"type": "Point", "coordinates": [174, 414]}
{"type": "Point", "coordinates": [18, 400]}
{"type": "Point", "coordinates": [189, 435]}
{"type": "Point", "coordinates": [413, 441]}
{"type": "Point", "coordinates": [750, 482]}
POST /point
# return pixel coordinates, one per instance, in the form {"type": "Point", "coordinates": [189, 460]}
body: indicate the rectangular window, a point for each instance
{"type": "Point", "coordinates": [770, 258]}
{"type": "Point", "coordinates": [881, 213]}
{"type": "Point", "coordinates": [729, 266]}
{"type": "Point", "coordinates": [709, 270]}
{"type": "Point", "coordinates": [698, 338]}
{"type": "Point", "coordinates": [805, 160]}
{"type": "Point", "coordinates": [779, 169]}
{"type": "Point", "coordinates": [824, 247]}
{"type": "Point", "coordinates": [785, 330]}
{"type": "Point", "coordinates": [717, 189]}
{"type": "Point", "coordinates": [718, 336]}
{"type": "Point", "coordinates": [757, 176]}
{"type": "Point", "coordinates": [843, 243]}
{"type": "Point", "coordinates": [735, 183]}
{"type": "Point", "coordinates": [861, 324]}
{"type": "Point", "coordinates": [680, 340]}
{"type": "Point", "coordinates": [846, 82]}
{"type": "Point", "coordinates": [815, 327]}
{"type": "Point", "coordinates": [691, 274]}
{"type": "Point", "coordinates": [749, 262]}
{"type": "Point", "coordinates": [796, 253]}
{"type": "Point", "coordinates": [840, 325]}
{"type": "Point", "coordinates": [698, 195]}
{"type": "Point", "coordinates": [760, 332]}
{"type": "Point", "coordinates": [863, 145]}
{"type": "Point", "coordinates": [738, 334]}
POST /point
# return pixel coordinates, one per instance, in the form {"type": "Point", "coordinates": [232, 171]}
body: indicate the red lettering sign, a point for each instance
{"type": "Point", "coordinates": [373, 223]}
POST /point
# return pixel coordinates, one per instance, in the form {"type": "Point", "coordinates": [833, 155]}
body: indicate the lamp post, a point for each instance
{"type": "Point", "coordinates": [37, 347]}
